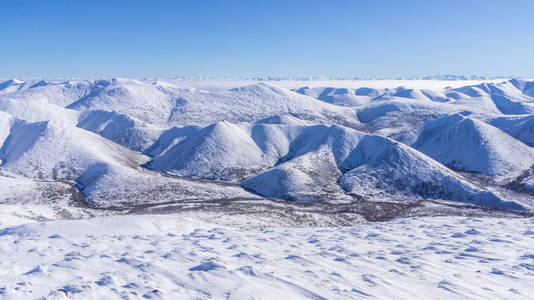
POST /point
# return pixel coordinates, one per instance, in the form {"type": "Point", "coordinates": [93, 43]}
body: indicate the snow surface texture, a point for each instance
{"type": "Point", "coordinates": [179, 257]}
{"type": "Point", "coordinates": [134, 144]}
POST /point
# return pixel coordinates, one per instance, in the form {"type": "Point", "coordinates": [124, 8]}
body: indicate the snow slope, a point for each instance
{"type": "Point", "coordinates": [11, 85]}
{"type": "Point", "coordinates": [224, 150]}
{"type": "Point", "coordinates": [385, 169]}
{"type": "Point", "coordinates": [511, 97]}
{"type": "Point", "coordinates": [472, 145]}
{"type": "Point", "coordinates": [163, 105]}
{"type": "Point", "coordinates": [341, 96]}
{"type": "Point", "coordinates": [109, 186]}
{"type": "Point", "coordinates": [520, 127]}
{"type": "Point", "coordinates": [368, 167]}
{"type": "Point", "coordinates": [392, 111]}
{"type": "Point", "coordinates": [309, 168]}
{"type": "Point", "coordinates": [122, 129]}
{"type": "Point", "coordinates": [529, 182]}
{"type": "Point", "coordinates": [220, 150]}
{"type": "Point", "coordinates": [149, 103]}
{"type": "Point", "coordinates": [19, 190]}
{"type": "Point", "coordinates": [33, 110]}
{"type": "Point", "coordinates": [6, 121]}
{"type": "Point", "coordinates": [309, 177]}
{"type": "Point", "coordinates": [60, 93]}
{"type": "Point", "coordinates": [170, 257]}
{"type": "Point", "coordinates": [49, 150]}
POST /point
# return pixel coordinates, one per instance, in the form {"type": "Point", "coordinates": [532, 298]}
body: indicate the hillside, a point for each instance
{"type": "Point", "coordinates": [136, 145]}
{"type": "Point", "coordinates": [472, 145]}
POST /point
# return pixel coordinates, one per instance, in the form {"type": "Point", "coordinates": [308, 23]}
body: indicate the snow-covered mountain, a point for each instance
{"type": "Point", "coordinates": [165, 105]}
{"type": "Point", "coordinates": [52, 151]}
{"type": "Point", "coordinates": [520, 127]}
{"type": "Point", "coordinates": [120, 128]}
{"type": "Point", "coordinates": [471, 145]}
{"type": "Point", "coordinates": [139, 144]}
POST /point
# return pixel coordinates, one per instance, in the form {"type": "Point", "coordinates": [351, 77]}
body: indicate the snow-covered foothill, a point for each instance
{"type": "Point", "coordinates": [471, 145]}
{"type": "Point", "coordinates": [105, 185]}
{"type": "Point", "coordinates": [385, 169]}
{"type": "Point", "coordinates": [367, 167]}
{"type": "Point", "coordinates": [11, 85]}
{"type": "Point", "coordinates": [519, 127]}
{"type": "Point", "coordinates": [341, 96]}
{"type": "Point", "coordinates": [121, 129]}
{"type": "Point", "coordinates": [224, 150]}
{"type": "Point", "coordinates": [50, 150]}
{"type": "Point", "coordinates": [164, 105]}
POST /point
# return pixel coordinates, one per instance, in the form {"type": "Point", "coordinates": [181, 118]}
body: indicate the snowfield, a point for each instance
{"type": "Point", "coordinates": [180, 257]}
{"type": "Point", "coordinates": [262, 189]}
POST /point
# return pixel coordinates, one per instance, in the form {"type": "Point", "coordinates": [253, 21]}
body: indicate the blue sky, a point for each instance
{"type": "Point", "coordinates": [249, 38]}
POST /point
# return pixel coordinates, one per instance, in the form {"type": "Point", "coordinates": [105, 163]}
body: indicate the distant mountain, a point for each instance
{"type": "Point", "coordinates": [459, 77]}
{"type": "Point", "coordinates": [446, 77]}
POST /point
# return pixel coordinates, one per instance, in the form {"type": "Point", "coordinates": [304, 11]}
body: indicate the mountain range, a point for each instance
{"type": "Point", "coordinates": [134, 143]}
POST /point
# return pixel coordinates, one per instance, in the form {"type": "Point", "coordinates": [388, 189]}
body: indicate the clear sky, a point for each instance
{"type": "Point", "coordinates": [266, 37]}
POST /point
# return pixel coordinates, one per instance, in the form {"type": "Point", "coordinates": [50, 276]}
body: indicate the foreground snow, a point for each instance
{"type": "Point", "coordinates": [181, 257]}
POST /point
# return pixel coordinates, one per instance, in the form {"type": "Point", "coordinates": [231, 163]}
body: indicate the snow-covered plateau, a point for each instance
{"type": "Point", "coordinates": [260, 189]}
